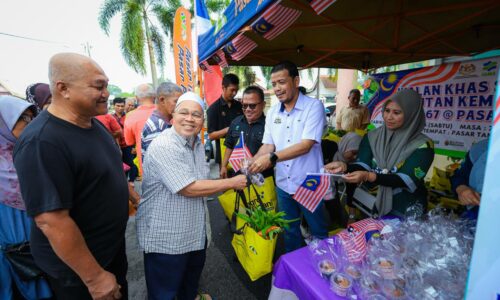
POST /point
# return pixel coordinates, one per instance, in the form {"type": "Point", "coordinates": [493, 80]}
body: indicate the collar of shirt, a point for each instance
{"type": "Point", "coordinates": [260, 120]}
{"type": "Point", "coordinates": [185, 141]}
{"type": "Point", "coordinates": [224, 103]}
{"type": "Point", "coordinates": [159, 115]}
{"type": "Point", "coordinates": [298, 105]}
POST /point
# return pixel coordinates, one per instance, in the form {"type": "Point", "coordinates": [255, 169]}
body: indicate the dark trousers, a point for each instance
{"type": "Point", "coordinates": [170, 276]}
{"type": "Point", "coordinates": [75, 289]}
{"type": "Point", "coordinates": [128, 158]}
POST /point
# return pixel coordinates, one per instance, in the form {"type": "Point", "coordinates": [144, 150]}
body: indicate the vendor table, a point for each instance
{"type": "Point", "coordinates": [294, 277]}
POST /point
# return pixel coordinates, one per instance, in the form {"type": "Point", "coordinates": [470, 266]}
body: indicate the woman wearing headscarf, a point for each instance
{"type": "Point", "coordinates": [39, 95]}
{"type": "Point", "coordinates": [15, 115]}
{"type": "Point", "coordinates": [394, 158]}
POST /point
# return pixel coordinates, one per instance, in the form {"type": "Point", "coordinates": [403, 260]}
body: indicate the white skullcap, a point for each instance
{"type": "Point", "coordinates": [190, 96]}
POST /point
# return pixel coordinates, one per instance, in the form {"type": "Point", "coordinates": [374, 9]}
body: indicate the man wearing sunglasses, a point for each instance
{"type": "Point", "coordinates": [252, 123]}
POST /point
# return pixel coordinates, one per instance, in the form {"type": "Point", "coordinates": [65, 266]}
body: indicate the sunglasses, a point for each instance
{"type": "Point", "coordinates": [251, 106]}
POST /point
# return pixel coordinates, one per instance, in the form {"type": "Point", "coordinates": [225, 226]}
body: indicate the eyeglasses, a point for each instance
{"type": "Point", "coordinates": [195, 115]}
{"type": "Point", "coordinates": [26, 118]}
{"type": "Point", "coordinates": [251, 106]}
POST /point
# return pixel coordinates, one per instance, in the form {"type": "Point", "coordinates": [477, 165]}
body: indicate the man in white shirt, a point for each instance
{"type": "Point", "coordinates": [292, 143]}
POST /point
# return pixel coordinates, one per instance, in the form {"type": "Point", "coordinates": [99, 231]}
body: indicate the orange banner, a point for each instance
{"type": "Point", "coordinates": [183, 54]}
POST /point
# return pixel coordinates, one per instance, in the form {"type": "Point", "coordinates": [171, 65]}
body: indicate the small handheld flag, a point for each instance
{"type": "Point", "coordinates": [312, 190]}
{"type": "Point", "coordinates": [239, 153]}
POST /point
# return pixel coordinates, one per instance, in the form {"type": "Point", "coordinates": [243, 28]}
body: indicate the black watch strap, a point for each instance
{"type": "Point", "coordinates": [273, 158]}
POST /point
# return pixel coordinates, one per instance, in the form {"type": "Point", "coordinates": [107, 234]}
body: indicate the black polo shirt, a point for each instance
{"type": "Point", "coordinates": [253, 135]}
{"type": "Point", "coordinates": [220, 116]}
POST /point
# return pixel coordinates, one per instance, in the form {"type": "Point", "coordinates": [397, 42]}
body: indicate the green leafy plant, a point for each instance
{"type": "Point", "coordinates": [267, 223]}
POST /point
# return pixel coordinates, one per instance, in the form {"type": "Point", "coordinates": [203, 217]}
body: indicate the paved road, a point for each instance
{"type": "Point", "coordinates": [223, 276]}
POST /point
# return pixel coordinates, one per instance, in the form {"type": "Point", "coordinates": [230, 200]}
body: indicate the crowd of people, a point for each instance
{"type": "Point", "coordinates": [68, 173]}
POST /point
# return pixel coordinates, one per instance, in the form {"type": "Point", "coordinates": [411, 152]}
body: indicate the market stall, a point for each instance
{"type": "Point", "coordinates": [366, 35]}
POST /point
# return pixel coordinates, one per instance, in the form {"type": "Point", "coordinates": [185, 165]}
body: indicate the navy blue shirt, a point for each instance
{"type": "Point", "coordinates": [63, 166]}
{"type": "Point", "coordinates": [220, 116]}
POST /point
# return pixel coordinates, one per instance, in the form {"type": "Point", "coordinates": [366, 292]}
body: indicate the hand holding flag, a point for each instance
{"type": "Point", "coordinates": [312, 190]}
{"type": "Point", "coordinates": [239, 154]}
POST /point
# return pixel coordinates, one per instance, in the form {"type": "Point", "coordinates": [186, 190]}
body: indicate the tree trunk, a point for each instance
{"type": "Point", "coordinates": [152, 60]}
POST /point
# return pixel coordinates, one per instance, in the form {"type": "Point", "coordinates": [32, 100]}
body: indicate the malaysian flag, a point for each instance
{"type": "Point", "coordinates": [275, 20]}
{"type": "Point", "coordinates": [239, 47]}
{"type": "Point", "coordinates": [220, 58]}
{"type": "Point", "coordinates": [205, 67]}
{"type": "Point", "coordinates": [239, 153]}
{"type": "Point", "coordinates": [312, 190]}
{"type": "Point", "coordinates": [320, 5]}
{"type": "Point", "coordinates": [355, 237]}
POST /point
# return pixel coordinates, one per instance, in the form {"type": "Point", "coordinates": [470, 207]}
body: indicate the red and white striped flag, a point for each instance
{"type": "Point", "coordinates": [205, 67]}
{"type": "Point", "coordinates": [312, 190]}
{"type": "Point", "coordinates": [239, 153]}
{"type": "Point", "coordinates": [220, 58]}
{"type": "Point", "coordinates": [239, 47]}
{"type": "Point", "coordinates": [355, 238]}
{"type": "Point", "coordinates": [319, 6]}
{"type": "Point", "coordinates": [275, 20]}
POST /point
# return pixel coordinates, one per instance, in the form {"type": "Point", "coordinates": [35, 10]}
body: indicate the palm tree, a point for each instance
{"type": "Point", "coordinates": [138, 30]}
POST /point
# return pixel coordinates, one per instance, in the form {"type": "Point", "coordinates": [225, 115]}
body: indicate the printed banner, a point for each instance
{"type": "Point", "coordinates": [484, 275]}
{"type": "Point", "coordinates": [183, 54]}
{"type": "Point", "coordinates": [458, 100]}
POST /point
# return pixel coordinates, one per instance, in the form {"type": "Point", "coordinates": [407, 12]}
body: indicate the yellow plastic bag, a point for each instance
{"type": "Point", "coordinates": [254, 252]}
{"type": "Point", "coordinates": [267, 193]}
{"type": "Point", "coordinates": [440, 180]}
{"type": "Point", "coordinates": [223, 152]}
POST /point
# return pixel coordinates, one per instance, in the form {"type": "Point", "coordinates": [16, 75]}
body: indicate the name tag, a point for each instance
{"type": "Point", "coordinates": [277, 121]}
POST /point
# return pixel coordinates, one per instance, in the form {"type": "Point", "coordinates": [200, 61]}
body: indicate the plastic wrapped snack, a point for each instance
{"type": "Point", "coordinates": [322, 258]}
{"type": "Point", "coordinates": [341, 284]}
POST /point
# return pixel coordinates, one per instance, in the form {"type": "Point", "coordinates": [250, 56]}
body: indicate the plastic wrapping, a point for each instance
{"type": "Point", "coordinates": [418, 258]}
{"type": "Point", "coordinates": [256, 178]}
{"type": "Point", "coordinates": [322, 258]}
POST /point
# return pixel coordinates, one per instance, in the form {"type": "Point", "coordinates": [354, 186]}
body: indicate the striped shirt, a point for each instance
{"type": "Point", "coordinates": [153, 127]}
{"type": "Point", "coordinates": [168, 222]}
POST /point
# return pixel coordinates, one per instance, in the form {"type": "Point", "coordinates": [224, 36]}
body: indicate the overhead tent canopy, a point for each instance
{"type": "Point", "coordinates": [359, 34]}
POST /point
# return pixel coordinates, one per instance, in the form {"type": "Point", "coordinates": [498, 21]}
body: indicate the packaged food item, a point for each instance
{"type": "Point", "coordinates": [353, 270]}
{"type": "Point", "coordinates": [392, 290]}
{"type": "Point", "coordinates": [385, 266]}
{"type": "Point", "coordinates": [327, 267]}
{"type": "Point", "coordinates": [341, 284]}
{"type": "Point", "coordinates": [322, 258]}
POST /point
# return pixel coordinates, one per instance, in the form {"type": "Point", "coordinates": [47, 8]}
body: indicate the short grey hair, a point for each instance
{"type": "Point", "coordinates": [168, 89]}
{"type": "Point", "coordinates": [145, 90]}
{"type": "Point", "coordinates": [130, 99]}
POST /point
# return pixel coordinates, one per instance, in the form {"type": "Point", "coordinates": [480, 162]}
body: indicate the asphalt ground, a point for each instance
{"type": "Point", "coordinates": [223, 277]}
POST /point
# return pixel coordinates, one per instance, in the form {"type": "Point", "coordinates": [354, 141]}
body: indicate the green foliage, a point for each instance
{"type": "Point", "coordinates": [136, 20]}
{"type": "Point", "coordinates": [114, 90]}
{"type": "Point", "coordinates": [267, 223]}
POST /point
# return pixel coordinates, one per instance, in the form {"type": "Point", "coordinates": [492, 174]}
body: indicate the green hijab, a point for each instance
{"type": "Point", "coordinates": [390, 147]}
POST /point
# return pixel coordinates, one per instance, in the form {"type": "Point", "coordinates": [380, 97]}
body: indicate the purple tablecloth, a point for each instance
{"type": "Point", "coordinates": [295, 272]}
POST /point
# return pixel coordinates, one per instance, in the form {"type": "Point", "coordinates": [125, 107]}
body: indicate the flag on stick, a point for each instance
{"type": "Point", "coordinates": [312, 190]}
{"type": "Point", "coordinates": [275, 20]}
{"type": "Point", "coordinates": [239, 153]}
{"type": "Point", "coordinates": [355, 237]}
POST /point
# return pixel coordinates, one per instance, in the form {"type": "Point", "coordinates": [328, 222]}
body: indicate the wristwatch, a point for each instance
{"type": "Point", "coordinates": [273, 158]}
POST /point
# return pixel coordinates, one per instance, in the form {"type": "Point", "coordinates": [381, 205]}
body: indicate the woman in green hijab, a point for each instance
{"type": "Point", "coordinates": [393, 159]}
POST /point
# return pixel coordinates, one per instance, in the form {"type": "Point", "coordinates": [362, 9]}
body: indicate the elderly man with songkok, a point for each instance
{"type": "Point", "coordinates": [172, 220]}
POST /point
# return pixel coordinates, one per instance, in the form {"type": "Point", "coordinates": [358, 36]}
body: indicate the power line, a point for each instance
{"type": "Point", "coordinates": [33, 39]}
